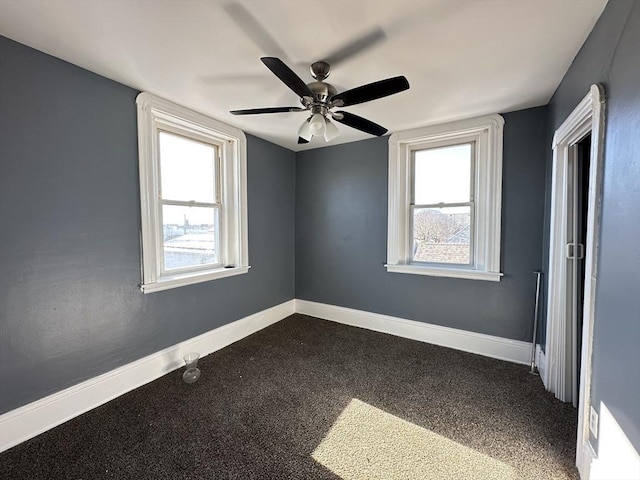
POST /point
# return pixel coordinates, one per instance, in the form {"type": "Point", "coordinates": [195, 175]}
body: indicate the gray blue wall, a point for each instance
{"type": "Point", "coordinates": [70, 308]}
{"type": "Point", "coordinates": [611, 56]}
{"type": "Point", "coordinates": [69, 221]}
{"type": "Point", "coordinates": [341, 237]}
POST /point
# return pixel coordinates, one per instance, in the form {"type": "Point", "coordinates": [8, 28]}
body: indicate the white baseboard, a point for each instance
{"type": "Point", "coordinates": [487, 345]}
{"type": "Point", "coordinates": [617, 457]}
{"type": "Point", "coordinates": [541, 364]}
{"type": "Point", "coordinates": [584, 459]}
{"type": "Point", "coordinates": [30, 420]}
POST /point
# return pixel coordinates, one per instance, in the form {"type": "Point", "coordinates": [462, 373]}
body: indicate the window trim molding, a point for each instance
{"type": "Point", "coordinates": [487, 132]}
{"type": "Point", "coordinates": [154, 114]}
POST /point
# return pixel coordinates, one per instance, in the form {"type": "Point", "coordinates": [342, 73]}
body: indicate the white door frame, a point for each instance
{"type": "Point", "coordinates": [587, 117]}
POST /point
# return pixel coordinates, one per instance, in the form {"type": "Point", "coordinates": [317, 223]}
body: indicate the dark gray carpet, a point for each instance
{"type": "Point", "coordinates": [263, 406]}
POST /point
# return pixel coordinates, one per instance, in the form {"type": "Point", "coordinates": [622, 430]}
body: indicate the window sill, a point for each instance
{"type": "Point", "coordinates": [176, 281]}
{"type": "Point", "coordinates": [445, 272]}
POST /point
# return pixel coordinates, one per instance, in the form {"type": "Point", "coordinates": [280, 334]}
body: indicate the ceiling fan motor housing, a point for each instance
{"type": "Point", "coordinates": [322, 93]}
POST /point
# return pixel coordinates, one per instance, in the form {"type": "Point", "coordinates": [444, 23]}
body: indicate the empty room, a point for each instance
{"type": "Point", "coordinates": [320, 239]}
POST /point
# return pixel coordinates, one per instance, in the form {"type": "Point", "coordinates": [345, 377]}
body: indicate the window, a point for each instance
{"type": "Point", "coordinates": [193, 196]}
{"type": "Point", "coordinates": [445, 186]}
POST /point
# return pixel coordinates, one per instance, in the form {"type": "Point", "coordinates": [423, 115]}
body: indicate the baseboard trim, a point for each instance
{"type": "Point", "coordinates": [541, 364]}
{"type": "Point", "coordinates": [584, 459]}
{"type": "Point", "coordinates": [487, 345]}
{"type": "Point", "coordinates": [617, 457]}
{"type": "Point", "coordinates": [37, 417]}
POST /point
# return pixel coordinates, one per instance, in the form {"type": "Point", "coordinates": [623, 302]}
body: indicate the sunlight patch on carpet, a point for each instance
{"type": "Point", "coordinates": [367, 443]}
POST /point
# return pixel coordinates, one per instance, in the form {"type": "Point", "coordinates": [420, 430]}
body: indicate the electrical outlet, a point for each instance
{"type": "Point", "coordinates": [593, 422]}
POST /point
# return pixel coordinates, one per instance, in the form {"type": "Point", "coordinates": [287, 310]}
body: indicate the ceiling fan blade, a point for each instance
{"type": "Point", "coordinates": [287, 76]}
{"type": "Point", "coordinates": [371, 91]}
{"type": "Point", "coordinates": [302, 140]}
{"type": "Point", "coordinates": [255, 111]}
{"type": "Point", "coordinates": [253, 29]}
{"type": "Point", "coordinates": [359, 123]}
{"type": "Point", "coordinates": [356, 46]}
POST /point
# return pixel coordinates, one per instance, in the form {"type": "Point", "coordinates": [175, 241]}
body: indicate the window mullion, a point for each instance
{"type": "Point", "coordinates": [189, 203]}
{"type": "Point", "coordinates": [442, 205]}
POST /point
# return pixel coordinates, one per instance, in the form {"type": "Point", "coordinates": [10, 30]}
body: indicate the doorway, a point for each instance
{"type": "Point", "coordinates": [572, 272]}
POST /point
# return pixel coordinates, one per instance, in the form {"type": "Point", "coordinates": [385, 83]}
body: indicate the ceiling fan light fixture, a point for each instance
{"type": "Point", "coordinates": [330, 131]}
{"type": "Point", "coordinates": [317, 124]}
{"type": "Point", "coordinates": [305, 130]}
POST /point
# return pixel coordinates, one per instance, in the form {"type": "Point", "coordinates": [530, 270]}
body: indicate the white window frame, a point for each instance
{"type": "Point", "coordinates": [487, 135]}
{"type": "Point", "coordinates": [155, 115]}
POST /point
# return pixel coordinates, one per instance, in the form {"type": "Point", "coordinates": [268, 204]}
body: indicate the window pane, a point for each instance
{"type": "Point", "coordinates": [187, 169]}
{"type": "Point", "coordinates": [190, 236]}
{"type": "Point", "coordinates": [442, 235]}
{"type": "Point", "coordinates": [442, 175]}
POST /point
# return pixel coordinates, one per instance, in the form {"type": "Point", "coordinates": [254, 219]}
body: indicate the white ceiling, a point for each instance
{"type": "Point", "coordinates": [463, 58]}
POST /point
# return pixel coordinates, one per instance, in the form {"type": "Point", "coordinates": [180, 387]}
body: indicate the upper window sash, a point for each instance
{"type": "Point", "coordinates": [215, 143]}
{"type": "Point", "coordinates": [441, 144]}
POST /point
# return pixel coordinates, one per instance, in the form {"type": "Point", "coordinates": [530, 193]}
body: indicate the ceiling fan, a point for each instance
{"type": "Point", "coordinates": [320, 98]}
